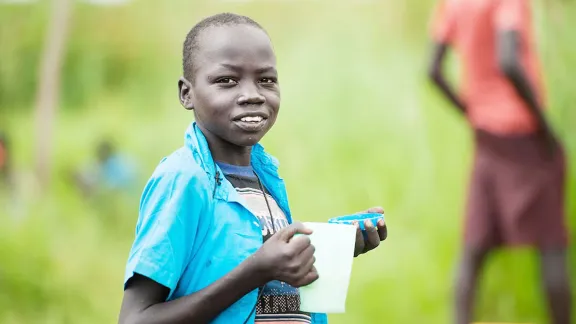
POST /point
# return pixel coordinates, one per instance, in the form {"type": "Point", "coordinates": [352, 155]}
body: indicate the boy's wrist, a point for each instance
{"type": "Point", "coordinates": [254, 271]}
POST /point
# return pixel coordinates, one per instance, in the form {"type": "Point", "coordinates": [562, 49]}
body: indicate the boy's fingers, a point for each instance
{"type": "Point", "coordinates": [373, 238]}
{"type": "Point", "coordinates": [359, 247]}
{"type": "Point", "coordinates": [377, 209]}
{"type": "Point", "coordinates": [308, 252]}
{"type": "Point", "coordinates": [382, 230]}
{"type": "Point", "coordinates": [288, 232]}
{"type": "Point", "coordinates": [307, 259]}
{"type": "Point", "coordinates": [309, 278]}
{"type": "Point", "coordinates": [299, 244]}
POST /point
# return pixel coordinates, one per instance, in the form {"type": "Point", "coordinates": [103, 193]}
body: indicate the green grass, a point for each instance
{"type": "Point", "coordinates": [359, 126]}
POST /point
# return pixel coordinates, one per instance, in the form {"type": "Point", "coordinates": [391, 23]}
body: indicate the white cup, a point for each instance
{"type": "Point", "coordinates": [334, 252]}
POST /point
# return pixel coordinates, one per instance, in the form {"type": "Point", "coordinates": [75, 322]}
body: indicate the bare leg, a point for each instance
{"type": "Point", "coordinates": [470, 268]}
{"type": "Point", "coordinates": [556, 282]}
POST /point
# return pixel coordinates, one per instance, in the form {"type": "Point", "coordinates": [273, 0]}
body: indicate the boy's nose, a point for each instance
{"type": "Point", "coordinates": [251, 96]}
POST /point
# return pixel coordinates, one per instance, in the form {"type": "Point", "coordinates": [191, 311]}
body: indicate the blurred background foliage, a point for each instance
{"type": "Point", "coordinates": [359, 126]}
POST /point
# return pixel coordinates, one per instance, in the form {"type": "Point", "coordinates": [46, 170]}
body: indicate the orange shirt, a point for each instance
{"type": "Point", "coordinates": [471, 27]}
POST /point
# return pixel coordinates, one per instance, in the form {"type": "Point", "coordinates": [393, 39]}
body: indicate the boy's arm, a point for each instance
{"type": "Point", "coordinates": [436, 73]}
{"type": "Point", "coordinates": [169, 222]}
{"type": "Point", "coordinates": [509, 61]}
{"type": "Point", "coordinates": [170, 212]}
{"type": "Point", "coordinates": [171, 208]}
{"type": "Point", "coordinates": [145, 300]}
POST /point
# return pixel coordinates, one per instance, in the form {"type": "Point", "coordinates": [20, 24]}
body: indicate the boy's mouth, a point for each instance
{"type": "Point", "coordinates": [252, 119]}
{"type": "Point", "coordinates": [251, 123]}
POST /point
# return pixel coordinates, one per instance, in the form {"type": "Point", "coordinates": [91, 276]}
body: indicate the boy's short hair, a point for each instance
{"type": "Point", "coordinates": [191, 44]}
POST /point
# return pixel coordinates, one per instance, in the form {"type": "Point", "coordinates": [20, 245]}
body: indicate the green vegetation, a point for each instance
{"type": "Point", "coordinates": [359, 126]}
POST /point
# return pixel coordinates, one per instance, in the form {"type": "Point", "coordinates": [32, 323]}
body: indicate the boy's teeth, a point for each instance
{"type": "Point", "coordinates": [251, 119]}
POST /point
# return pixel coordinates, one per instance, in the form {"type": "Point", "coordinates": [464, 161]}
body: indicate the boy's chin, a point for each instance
{"type": "Point", "coordinates": [247, 140]}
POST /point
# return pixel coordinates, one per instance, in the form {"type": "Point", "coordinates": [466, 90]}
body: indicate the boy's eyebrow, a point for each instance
{"type": "Point", "coordinates": [263, 69]}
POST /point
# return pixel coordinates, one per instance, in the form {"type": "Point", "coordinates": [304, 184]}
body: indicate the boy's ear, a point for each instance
{"type": "Point", "coordinates": [185, 93]}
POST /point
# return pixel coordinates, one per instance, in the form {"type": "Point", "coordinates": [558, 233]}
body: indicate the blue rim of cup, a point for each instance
{"type": "Point", "coordinates": [360, 218]}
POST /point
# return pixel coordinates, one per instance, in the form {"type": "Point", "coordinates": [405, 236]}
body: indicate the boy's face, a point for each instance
{"type": "Point", "coordinates": [235, 93]}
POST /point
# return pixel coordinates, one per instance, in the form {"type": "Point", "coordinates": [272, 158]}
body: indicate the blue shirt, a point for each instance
{"type": "Point", "coordinates": [118, 172]}
{"type": "Point", "coordinates": [193, 227]}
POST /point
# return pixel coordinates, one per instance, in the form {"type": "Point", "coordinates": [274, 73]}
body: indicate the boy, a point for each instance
{"type": "Point", "coordinates": [199, 255]}
{"type": "Point", "coordinates": [516, 195]}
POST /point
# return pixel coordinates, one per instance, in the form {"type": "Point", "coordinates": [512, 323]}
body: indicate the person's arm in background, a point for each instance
{"type": "Point", "coordinates": [436, 73]}
{"type": "Point", "coordinates": [509, 62]}
{"type": "Point", "coordinates": [511, 17]}
{"type": "Point", "coordinates": [442, 31]}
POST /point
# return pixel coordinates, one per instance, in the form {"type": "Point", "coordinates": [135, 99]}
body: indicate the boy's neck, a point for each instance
{"type": "Point", "coordinates": [233, 158]}
{"type": "Point", "coordinates": [228, 153]}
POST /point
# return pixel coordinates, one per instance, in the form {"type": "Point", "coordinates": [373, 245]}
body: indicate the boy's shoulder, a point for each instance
{"type": "Point", "coordinates": [180, 162]}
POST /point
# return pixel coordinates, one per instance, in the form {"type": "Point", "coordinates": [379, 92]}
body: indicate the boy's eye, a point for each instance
{"type": "Point", "coordinates": [268, 80]}
{"type": "Point", "coordinates": [226, 81]}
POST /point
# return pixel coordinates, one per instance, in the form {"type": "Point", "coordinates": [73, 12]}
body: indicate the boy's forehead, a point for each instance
{"type": "Point", "coordinates": [231, 42]}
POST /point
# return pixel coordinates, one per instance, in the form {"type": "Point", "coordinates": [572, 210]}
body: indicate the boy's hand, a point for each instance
{"type": "Point", "coordinates": [374, 235]}
{"type": "Point", "coordinates": [287, 258]}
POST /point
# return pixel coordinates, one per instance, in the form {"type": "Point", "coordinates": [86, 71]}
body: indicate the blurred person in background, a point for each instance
{"type": "Point", "coordinates": [12, 185]}
{"type": "Point", "coordinates": [516, 194]}
{"type": "Point", "coordinates": [5, 173]}
{"type": "Point", "coordinates": [111, 171]}
{"type": "Point", "coordinates": [7, 191]}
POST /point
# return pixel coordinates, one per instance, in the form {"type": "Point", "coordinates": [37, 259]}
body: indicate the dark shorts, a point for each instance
{"type": "Point", "coordinates": [516, 194]}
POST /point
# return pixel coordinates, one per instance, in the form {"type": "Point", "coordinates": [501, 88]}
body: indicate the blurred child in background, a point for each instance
{"type": "Point", "coordinates": [110, 172]}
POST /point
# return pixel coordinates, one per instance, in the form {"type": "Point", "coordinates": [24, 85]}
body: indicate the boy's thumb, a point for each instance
{"type": "Point", "coordinates": [288, 232]}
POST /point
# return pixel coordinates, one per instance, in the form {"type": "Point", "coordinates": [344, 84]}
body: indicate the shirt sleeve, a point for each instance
{"type": "Point", "coordinates": [170, 209]}
{"type": "Point", "coordinates": [511, 15]}
{"type": "Point", "coordinates": [443, 24]}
